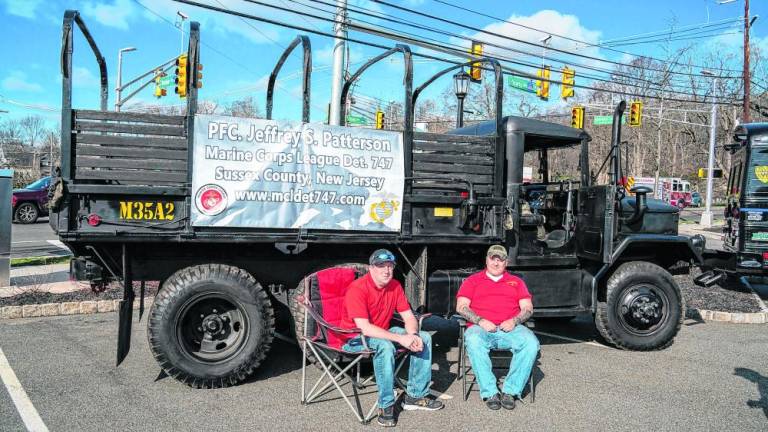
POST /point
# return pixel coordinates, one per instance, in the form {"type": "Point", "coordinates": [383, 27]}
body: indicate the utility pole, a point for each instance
{"type": "Point", "coordinates": [658, 148]}
{"type": "Point", "coordinates": [746, 76]}
{"type": "Point", "coordinates": [340, 30]}
{"type": "Point", "coordinates": [706, 216]}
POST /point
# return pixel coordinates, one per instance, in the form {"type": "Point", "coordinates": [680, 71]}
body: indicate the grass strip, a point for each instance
{"type": "Point", "coordinates": [33, 261]}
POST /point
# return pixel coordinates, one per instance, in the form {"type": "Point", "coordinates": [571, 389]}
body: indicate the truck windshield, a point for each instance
{"type": "Point", "coordinates": [757, 172]}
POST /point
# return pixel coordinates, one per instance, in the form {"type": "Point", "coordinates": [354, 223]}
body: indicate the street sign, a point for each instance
{"type": "Point", "coordinates": [356, 120]}
{"type": "Point", "coordinates": [606, 120]}
{"type": "Point", "coordinates": [164, 81]}
{"type": "Point", "coordinates": [524, 84]}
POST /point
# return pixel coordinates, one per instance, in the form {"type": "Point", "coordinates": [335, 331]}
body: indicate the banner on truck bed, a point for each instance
{"type": "Point", "coordinates": [280, 174]}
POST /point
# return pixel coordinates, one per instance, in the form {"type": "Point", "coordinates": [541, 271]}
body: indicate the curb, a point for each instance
{"type": "Point", "coordinates": [729, 317]}
{"type": "Point", "coordinates": [67, 308]}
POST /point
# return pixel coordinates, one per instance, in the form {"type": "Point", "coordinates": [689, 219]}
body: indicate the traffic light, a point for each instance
{"type": "Point", "coordinates": [159, 90]}
{"type": "Point", "coordinates": [577, 117]}
{"type": "Point", "coordinates": [199, 77]}
{"type": "Point", "coordinates": [716, 173]}
{"type": "Point", "coordinates": [379, 119]}
{"type": "Point", "coordinates": [636, 113]}
{"type": "Point", "coordinates": [181, 76]}
{"type": "Point", "coordinates": [542, 85]}
{"type": "Point", "coordinates": [476, 70]}
{"type": "Point", "coordinates": [568, 80]}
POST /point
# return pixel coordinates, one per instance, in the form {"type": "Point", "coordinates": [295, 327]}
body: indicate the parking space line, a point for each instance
{"type": "Point", "coordinates": [59, 244]}
{"type": "Point", "coordinates": [27, 411]}
{"type": "Point", "coordinates": [570, 339]}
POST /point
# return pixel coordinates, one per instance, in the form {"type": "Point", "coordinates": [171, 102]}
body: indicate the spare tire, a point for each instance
{"type": "Point", "coordinates": [211, 325]}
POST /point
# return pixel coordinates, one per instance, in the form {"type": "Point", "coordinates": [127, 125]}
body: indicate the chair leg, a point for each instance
{"type": "Point", "coordinates": [304, 372]}
{"type": "Point", "coordinates": [533, 387]}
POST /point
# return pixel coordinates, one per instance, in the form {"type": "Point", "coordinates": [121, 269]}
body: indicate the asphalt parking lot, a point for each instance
{"type": "Point", "coordinates": [715, 377]}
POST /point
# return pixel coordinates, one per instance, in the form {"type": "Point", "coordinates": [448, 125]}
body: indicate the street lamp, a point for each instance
{"type": "Point", "coordinates": [119, 88]}
{"type": "Point", "coordinates": [706, 216]}
{"type": "Point", "coordinates": [461, 87]}
{"type": "Point", "coordinates": [545, 43]}
{"type": "Point", "coordinates": [183, 16]}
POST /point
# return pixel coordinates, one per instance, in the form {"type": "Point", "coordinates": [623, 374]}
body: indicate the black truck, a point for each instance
{"type": "Point", "coordinates": [128, 205]}
{"type": "Point", "coordinates": [745, 234]}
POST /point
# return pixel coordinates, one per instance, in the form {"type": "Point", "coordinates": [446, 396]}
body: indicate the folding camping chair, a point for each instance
{"type": "Point", "coordinates": [322, 300]}
{"type": "Point", "coordinates": [465, 367]}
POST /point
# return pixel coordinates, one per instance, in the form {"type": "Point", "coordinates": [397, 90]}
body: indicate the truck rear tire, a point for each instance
{"type": "Point", "coordinates": [643, 310]}
{"type": "Point", "coordinates": [211, 325]}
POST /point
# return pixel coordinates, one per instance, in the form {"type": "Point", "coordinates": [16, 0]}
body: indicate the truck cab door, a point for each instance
{"type": "Point", "coordinates": [595, 222]}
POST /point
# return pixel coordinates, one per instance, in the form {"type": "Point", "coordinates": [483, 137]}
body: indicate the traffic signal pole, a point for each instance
{"type": "Point", "coordinates": [165, 67]}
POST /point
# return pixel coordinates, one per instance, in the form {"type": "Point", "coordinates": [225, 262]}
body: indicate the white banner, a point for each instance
{"type": "Point", "coordinates": [279, 174]}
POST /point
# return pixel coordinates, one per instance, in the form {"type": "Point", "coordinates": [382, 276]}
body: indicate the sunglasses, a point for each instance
{"type": "Point", "coordinates": [385, 256]}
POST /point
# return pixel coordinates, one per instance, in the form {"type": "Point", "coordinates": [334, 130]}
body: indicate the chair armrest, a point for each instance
{"type": "Point", "coordinates": [321, 321]}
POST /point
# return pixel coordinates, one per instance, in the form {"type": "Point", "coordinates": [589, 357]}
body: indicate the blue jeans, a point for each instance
{"type": "Point", "coordinates": [520, 341]}
{"type": "Point", "coordinates": [419, 372]}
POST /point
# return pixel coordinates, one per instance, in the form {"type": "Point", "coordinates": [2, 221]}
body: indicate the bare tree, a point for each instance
{"type": "Point", "coordinates": [33, 129]}
{"type": "Point", "coordinates": [245, 107]}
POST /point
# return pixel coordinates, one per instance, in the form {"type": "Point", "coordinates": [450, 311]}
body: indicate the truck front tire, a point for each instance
{"type": "Point", "coordinates": [210, 325]}
{"type": "Point", "coordinates": [643, 310]}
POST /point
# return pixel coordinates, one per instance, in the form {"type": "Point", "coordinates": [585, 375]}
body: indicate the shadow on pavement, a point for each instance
{"type": "Point", "coordinates": [762, 387]}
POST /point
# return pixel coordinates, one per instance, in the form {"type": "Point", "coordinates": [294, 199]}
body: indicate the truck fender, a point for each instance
{"type": "Point", "coordinates": [686, 248]}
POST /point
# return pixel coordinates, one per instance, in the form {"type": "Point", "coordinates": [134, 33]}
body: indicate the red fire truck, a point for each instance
{"type": "Point", "coordinates": [676, 191]}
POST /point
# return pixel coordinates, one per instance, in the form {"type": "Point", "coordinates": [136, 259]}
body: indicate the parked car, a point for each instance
{"type": "Point", "coordinates": [696, 199]}
{"type": "Point", "coordinates": [31, 202]}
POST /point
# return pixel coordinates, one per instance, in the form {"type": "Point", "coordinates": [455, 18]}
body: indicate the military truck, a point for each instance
{"type": "Point", "coordinates": [231, 214]}
{"type": "Point", "coordinates": [745, 240]}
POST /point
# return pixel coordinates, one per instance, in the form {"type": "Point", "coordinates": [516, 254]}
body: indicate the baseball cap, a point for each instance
{"type": "Point", "coordinates": [497, 250]}
{"type": "Point", "coordinates": [381, 256]}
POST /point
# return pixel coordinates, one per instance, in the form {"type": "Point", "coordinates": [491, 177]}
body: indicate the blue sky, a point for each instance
{"type": "Point", "coordinates": [238, 54]}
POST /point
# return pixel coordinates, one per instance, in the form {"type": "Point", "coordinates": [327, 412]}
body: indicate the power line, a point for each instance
{"type": "Point", "coordinates": [459, 36]}
{"type": "Point", "coordinates": [475, 12]}
{"type": "Point", "coordinates": [459, 51]}
{"type": "Point", "coordinates": [508, 71]}
{"type": "Point", "coordinates": [434, 17]}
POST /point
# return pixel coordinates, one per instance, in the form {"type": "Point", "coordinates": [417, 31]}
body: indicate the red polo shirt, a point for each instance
{"type": "Point", "coordinates": [494, 301]}
{"type": "Point", "coordinates": [364, 300]}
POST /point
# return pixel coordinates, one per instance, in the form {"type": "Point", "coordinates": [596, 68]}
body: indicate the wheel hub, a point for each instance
{"type": "Point", "coordinates": [642, 308]}
{"type": "Point", "coordinates": [213, 324]}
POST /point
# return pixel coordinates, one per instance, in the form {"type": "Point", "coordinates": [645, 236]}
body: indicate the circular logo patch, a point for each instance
{"type": "Point", "coordinates": [211, 200]}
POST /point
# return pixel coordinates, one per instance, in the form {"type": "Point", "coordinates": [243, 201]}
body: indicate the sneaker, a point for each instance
{"type": "Point", "coordinates": [508, 401]}
{"type": "Point", "coordinates": [411, 404]}
{"type": "Point", "coordinates": [387, 417]}
{"type": "Point", "coordinates": [493, 402]}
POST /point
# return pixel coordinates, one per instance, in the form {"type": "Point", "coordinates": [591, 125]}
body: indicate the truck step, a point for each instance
{"type": "Point", "coordinates": [709, 278]}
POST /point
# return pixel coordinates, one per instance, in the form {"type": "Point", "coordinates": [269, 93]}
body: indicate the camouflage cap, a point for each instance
{"type": "Point", "coordinates": [497, 250]}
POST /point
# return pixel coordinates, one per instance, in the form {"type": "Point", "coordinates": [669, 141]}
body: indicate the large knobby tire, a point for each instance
{"type": "Point", "coordinates": [297, 310]}
{"type": "Point", "coordinates": [643, 309]}
{"type": "Point", "coordinates": [26, 213]}
{"type": "Point", "coordinates": [210, 325]}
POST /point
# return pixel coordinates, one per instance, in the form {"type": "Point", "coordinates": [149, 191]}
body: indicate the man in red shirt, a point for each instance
{"type": "Point", "coordinates": [495, 305]}
{"type": "Point", "coordinates": [369, 305]}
